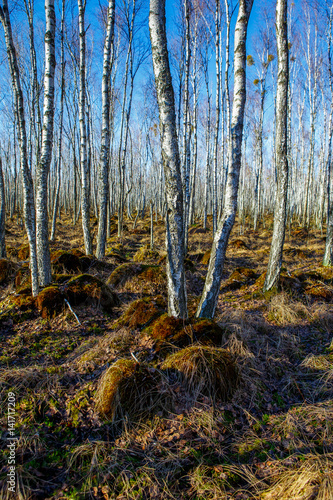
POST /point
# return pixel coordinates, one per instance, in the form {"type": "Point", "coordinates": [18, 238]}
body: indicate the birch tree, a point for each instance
{"type": "Point", "coordinates": [2, 214]}
{"type": "Point", "coordinates": [85, 203]}
{"type": "Point", "coordinates": [210, 293]}
{"type": "Point", "coordinates": [105, 142]}
{"type": "Point", "coordinates": [27, 185]}
{"type": "Point", "coordinates": [328, 256]}
{"type": "Point", "coordinates": [61, 120]}
{"type": "Point", "coordinates": [43, 166]}
{"type": "Point", "coordinates": [170, 153]}
{"type": "Point", "coordinates": [281, 147]}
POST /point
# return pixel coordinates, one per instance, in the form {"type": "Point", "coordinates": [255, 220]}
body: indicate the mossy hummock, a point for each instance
{"type": "Point", "coordinates": [128, 389]}
{"type": "Point", "coordinates": [65, 262]}
{"type": "Point", "coordinates": [50, 302]}
{"type": "Point", "coordinates": [88, 288]}
{"type": "Point", "coordinates": [142, 312]}
{"type": "Point", "coordinates": [168, 330]}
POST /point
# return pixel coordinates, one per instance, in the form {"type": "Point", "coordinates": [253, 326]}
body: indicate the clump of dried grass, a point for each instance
{"type": "Point", "coordinates": [284, 311]}
{"type": "Point", "coordinates": [204, 370]}
{"type": "Point", "coordinates": [310, 479]}
{"type": "Point", "coordinates": [130, 390]}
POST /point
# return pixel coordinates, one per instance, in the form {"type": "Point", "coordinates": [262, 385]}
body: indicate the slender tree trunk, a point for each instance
{"type": "Point", "coordinates": [170, 153]}
{"type": "Point", "coordinates": [151, 225]}
{"type": "Point", "coordinates": [85, 203]}
{"type": "Point", "coordinates": [281, 148]}
{"type": "Point", "coordinates": [217, 111]}
{"type": "Point", "coordinates": [62, 96]}
{"type": "Point", "coordinates": [328, 256]}
{"type": "Point", "coordinates": [2, 214]}
{"type": "Point", "coordinates": [186, 122]}
{"type": "Point", "coordinates": [43, 166]}
{"type": "Point", "coordinates": [210, 293]}
{"type": "Point", "coordinates": [27, 185]}
{"type": "Point", "coordinates": [105, 143]}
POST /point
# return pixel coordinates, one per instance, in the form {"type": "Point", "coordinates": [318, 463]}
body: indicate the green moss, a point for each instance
{"type": "Point", "coordinates": [50, 302]}
{"type": "Point", "coordinates": [142, 312]}
{"type": "Point", "coordinates": [145, 254]}
{"type": "Point", "coordinates": [65, 262]}
{"type": "Point", "coordinates": [87, 288]}
{"type": "Point", "coordinates": [128, 389]}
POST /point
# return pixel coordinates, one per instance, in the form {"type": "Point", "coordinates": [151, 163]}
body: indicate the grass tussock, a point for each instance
{"type": "Point", "coordinates": [204, 370]}
{"type": "Point", "coordinates": [283, 310]}
{"type": "Point", "coordinates": [309, 478]}
{"type": "Point", "coordinates": [129, 390]}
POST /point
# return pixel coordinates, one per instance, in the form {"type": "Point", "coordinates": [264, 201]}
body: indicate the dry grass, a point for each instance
{"type": "Point", "coordinates": [131, 391]}
{"type": "Point", "coordinates": [285, 311]}
{"type": "Point", "coordinates": [204, 370]}
{"type": "Point", "coordinates": [312, 478]}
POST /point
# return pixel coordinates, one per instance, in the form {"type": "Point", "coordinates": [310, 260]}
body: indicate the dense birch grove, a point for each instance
{"type": "Point", "coordinates": [199, 112]}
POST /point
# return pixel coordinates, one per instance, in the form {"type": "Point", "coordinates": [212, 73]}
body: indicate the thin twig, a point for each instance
{"type": "Point", "coordinates": [70, 307]}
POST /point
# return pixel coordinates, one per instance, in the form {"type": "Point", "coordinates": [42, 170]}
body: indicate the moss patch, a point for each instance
{"type": "Point", "coordinates": [87, 288]}
{"type": "Point", "coordinates": [123, 273]}
{"type": "Point", "coordinates": [145, 254]}
{"type": "Point", "coordinates": [65, 262]}
{"type": "Point", "coordinates": [240, 276]}
{"type": "Point", "coordinates": [169, 330]}
{"type": "Point", "coordinates": [128, 389]}
{"type": "Point", "coordinates": [142, 312]}
{"type": "Point", "coordinates": [319, 292]}
{"type": "Point", "coordinates": [50, 302]}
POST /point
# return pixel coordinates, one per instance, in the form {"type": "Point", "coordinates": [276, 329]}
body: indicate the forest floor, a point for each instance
{"type": "Point", "coordinates": [271, 438]}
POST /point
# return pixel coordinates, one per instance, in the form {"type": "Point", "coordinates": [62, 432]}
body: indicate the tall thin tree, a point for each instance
{"type": "Point", "coordinates": [43, 166]}
{"type": "Point", "coordinates": [85, 198]}
{"type": "Point", "coordinates": [105, 142]}
{"type": "Point", "coordinates": [170, 152]}
{"type": "Point", "coordinates": [210, 293]}
{"type": "Point", "coordinates": [281, 147]}
{"type": "Point", "coordinates": [27, 185]}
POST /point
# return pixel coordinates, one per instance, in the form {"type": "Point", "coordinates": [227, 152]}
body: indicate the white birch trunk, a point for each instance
{"type": "Point", "coordinates": [170, 153]}
{"type": "Point", "coordinates": [62, 96]}
{"type": "Point", "coordinates": [27, 186]}
{"type": "Point", "coordinates": [105, 142]}
{"type": "Point", "coordinates": [2, 214]}
{"type": "Point", "coordinates": [43, 166]}
{"type": "Point", "coordinates": [210, 293]}
{"type": "Point", "coordinates": [281, 148]}
{"type": "Point", "coordinates": [85, 204]}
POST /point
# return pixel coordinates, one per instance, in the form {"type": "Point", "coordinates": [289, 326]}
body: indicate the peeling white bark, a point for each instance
{"type": "Point", "coordinates": [210, 293]}
{"type": "Point", "coordinates": [105, 142]}
{"type": "Point", "coordinates": [27, 186]}
{"type": "Point", "coordinates": [281, 148]}
{"type": "Point", "coordinates": [43, 166]}
{"type": "Point", "coordinates": [171, 161]}
{"type": "Point", "coordinates": [85, 187]}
